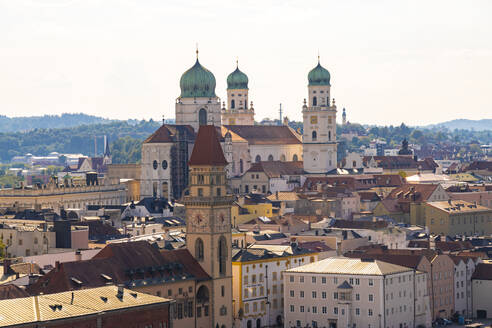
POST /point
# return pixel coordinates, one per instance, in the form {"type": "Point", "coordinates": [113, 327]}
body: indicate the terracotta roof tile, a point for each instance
{"type": "Point", "coordinates": [207, 149]}
{"type": "Point", "coordinates": [276, 169]}
{"type": "Point", "coordinates": [266, 135]}
{"type": "Point", "coordinates": [483, 271]}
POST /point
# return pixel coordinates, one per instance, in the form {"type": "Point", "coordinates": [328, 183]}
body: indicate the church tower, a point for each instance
{"type": "Point", "coordinates": [237, 111]}
{"type": "Point", "coordinates": [198, 105]}
{"type": "Point", "coordinates": [208, 220]}
{"type": "Point", "coordinates": [319, 122]}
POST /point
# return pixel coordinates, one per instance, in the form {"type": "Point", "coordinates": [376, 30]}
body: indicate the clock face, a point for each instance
{"type": "Point", "coordinates": [199, 220]}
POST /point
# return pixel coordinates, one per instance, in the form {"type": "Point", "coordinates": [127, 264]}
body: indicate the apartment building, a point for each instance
{"type": "Point", "coordinates": [257, 282]}
{"type": "Point", "coordinates": [456, 217]}
{"type": "Point", "coordinates": [464, 267]}
{"type": "Point", "coordinates": [349, 292]}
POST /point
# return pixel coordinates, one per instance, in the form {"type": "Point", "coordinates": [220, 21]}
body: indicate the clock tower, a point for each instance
{"type": "Point", "coordinates": [208, 220]}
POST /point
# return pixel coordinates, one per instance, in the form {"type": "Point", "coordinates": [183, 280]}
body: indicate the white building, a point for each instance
{"type": "Point", "coordinates": [463, 271]}
{"type": "Point", "coordinates": [319, 122]}
{"type": "Point", "coordinates": [343, 292]}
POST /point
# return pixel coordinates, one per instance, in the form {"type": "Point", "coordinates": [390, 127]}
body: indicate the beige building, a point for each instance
{"type": "Point", "coordinates": [455, 217]}
{"type": "Point", "coordinates": [343, 292]}
{"type": "Point", "coordinates": [258, 287]}
{"type": "Point", "coordinates": [66, 195]}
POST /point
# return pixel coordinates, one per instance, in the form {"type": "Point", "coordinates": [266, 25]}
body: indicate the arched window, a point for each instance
{"type": "Point", "coordinates": [282, 158]}
{"type": "Point", "coordinates": [270, 157]}
{"type": "Point", "coordinates": [202, 295]}
{"type": "Point", "coordinates": [315, 101]}
{"type": "Point", "coordinates": [329, 135]}
{"type": "Point", "coordinates": [257, 159]}
{"type": "Point", "coordinates": [199, 249]}
{"type": "Point", "coordinates": [202, 117]}
{"type": "Point", "coordinates": [241, 165]}
{"type": "Point", "coordinates": [222, 255]}
{"type": "Point", "coordinates": [294, 158]}
{"type": "Point", "coordinates": [165, 189]}
{"type": "Point", "coordinates": [258, 323]}
{"type": "Point", "coordinates": [233, 104]}
{"type": "Point", "coordinates": [314, 136]}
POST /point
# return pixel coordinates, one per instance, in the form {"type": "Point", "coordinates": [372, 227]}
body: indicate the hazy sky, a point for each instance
{"type": "Point", "coordinates": [390, 61]}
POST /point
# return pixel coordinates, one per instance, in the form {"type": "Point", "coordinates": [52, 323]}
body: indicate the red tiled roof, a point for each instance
{"type": "Point", "coordinates": [413, 192]}
{"type": "Point", "coordinates": [207, 149]}
{"type": "Point", "coordinates": [161, 135]}
{"type": "Point", "coordinates": [168, 133]}
{"type": "Point", "coordinates": [123, 263]}
{"type": "Point", "coordinates": [349, 224]}
{"type": "Point", "coordinates": [393, 162]}
{"type": "Point", "coordinates": [266, 135]}
{"type": "Point", "coordinates": [276, 169]}
{"type": "Point", "coordinates": [483, 271]}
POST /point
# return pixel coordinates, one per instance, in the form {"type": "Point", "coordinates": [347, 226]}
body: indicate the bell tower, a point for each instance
{"type": "Point", "coordinates": [319, 122]}
{"type": "Point", "coordinates": [208, 220]}
{"type": "Point", "coordinates": [238, 111]}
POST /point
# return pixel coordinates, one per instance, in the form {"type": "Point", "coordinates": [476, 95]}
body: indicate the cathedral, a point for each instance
{"type": "Point", "coordinates": [165, 154]}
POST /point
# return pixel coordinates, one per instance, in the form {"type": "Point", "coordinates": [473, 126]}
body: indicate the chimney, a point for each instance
{"type": "Point", "coordinates": [71, 301]}
{"type": "Point", "coordinates": [6, 266]}
{"type": "Point", "coordinates": [57, 266]}
{"type": "Point", "coordinates": [276, 194]}
{"type": "Point", "coordinates": [78, 255]}
{"type": "Point", "coordinates": [120, 292]}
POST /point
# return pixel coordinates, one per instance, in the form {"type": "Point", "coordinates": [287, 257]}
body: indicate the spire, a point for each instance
{"type": "Point", "coordinates": [107, 152]}
{"type": "Point", "coordinates": [318, 58]}
{"type": "Point", "coordinates": [197, 51]}
{"type": "Point", "coordinates": [237, 63]}
{"type": "Point", "coordinates": [207, 149]}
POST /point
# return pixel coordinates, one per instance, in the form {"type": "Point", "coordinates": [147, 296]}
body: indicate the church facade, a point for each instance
{"type": "Point", "coordinates": [165, 154]}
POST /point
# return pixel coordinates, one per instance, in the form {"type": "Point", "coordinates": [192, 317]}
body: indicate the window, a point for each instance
{"type": "Point", "coordinates": [262, 290]}
{"type": "Point", "coordinates": [313, 280]}
{"type": "Point", "coordinates": [315, 101]}
{"type": "Point", "coordinates": [323, 294]}
{"type": "Point", "coordinates": [246, 308]}
{"type": "Point", "coordinates": [335, 280]}
{"type": "Point", "coordinates": [323, 280]}
{"type": "Point", "coordinates": [301, 293]}
{"type": "Point", "coordinates": [270, 157]}
{"type": "Point", "coordinates": [369, 312]}
{"type": "Point", "coordinates": [294, 158]}
{"type": "Point", "coordinates": [371, 298]}
{"type": "Point", "coordinates": [314, 135]}
{"type": "Point", "coordinates": [357, 311]}
{"type": "Point", "coordinates": [291, 278]}
{"type": "Point", "coordinates": [164, 164]}
{"type": "Point", "coordinates": [222, 255]}
{"type": "Point", "coordinates": [313, 294]}
{"type": "Point", "coordinates": [357, 297]}
{"type": "Point", "coordinates": [301, 279]}
{"type": "Point", "coordinates": [357, 281]}
{"type": "Point", "coordinates": [323, 309]}
{"type": "Point", "coordinates": [258, 158]}
{"type": "Point", "coordinates": [335, 310]}
{"type": "Point", "coordinates": [199, 249]}
{"type": "Point", "coordinates": [351, 281]}
{"type": "Point", "coordinates": [335, 295]}
{"type": "Point", "coordinates": [155, 164]}
{"type": "Point", "coordinates": [302, 308]}
{"type": "Point", "coordinates": [233, 104]}
{"type": "Point", "coordinates": [291, 293]}
{"type": "Point", "coordinates": [371, 282]}
{"type": "Point", "coordinates": [246, 292]}
{"type": "Point", "coordinates": [292, 308]}
{"type": "Point", "coordinates": [315, 309]}
{"type": "Point", "coordinates": [202, 117]}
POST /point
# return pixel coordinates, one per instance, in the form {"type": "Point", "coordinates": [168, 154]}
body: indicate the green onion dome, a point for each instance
{"type": "Point", "coordinates": [197, 82]}
{"type": "Point", "coordinates": [237, 80]}
{"type": "Point", "coordinates": [319, 76]}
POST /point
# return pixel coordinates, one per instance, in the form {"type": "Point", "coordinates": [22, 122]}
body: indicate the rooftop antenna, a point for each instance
{"type": "Point", "coordinates": [280, 112]}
